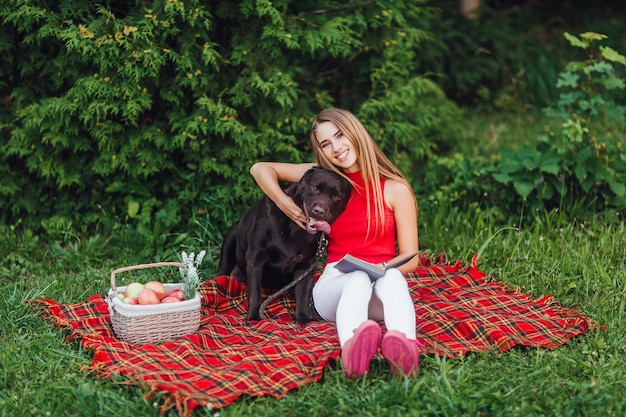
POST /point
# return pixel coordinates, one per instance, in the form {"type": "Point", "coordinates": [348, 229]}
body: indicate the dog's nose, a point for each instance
{"type": "Point", "coordinates": [318, 212]}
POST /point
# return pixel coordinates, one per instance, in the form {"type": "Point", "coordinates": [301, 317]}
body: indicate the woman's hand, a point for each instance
{"type": "Point", "coordinates": [291, 210]}
{"type": "Point", "coordinates": [268, 174]}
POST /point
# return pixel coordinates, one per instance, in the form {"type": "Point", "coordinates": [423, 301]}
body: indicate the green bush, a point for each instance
{"type": "Point", "coordinates": [586, 158]}
{"type": "Point", "coordinates": [579, 166]}
{"type": "Point", "coordinates": [494, 59]}
{"type": "Point", "coordinates": [145, 111]}
{"type": "Point", "coordinates": [508, 57]}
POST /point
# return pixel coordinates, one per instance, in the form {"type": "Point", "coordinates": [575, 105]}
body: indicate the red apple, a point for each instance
{"type": "Point", "coordinates": [176, 294]}
{"type": "Point", "coordinates": [170, 299]}
{"type": "Point", "coordinates": [157, 287]}
{"type": "Point", "coordinates": [148, 296]}
{"type": "Point", "coordinates": [133, 289]}
{"type": "Point", "coordinates": [129, 300]}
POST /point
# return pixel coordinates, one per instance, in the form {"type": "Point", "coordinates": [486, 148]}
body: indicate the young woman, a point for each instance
{"type": "Point", "coordinates": [378, 225]}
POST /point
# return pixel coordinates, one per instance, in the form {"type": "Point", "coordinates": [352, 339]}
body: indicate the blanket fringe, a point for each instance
{"type": "Point", "coordinates": [51, 311]}
{"type": "Point", "coordinates": [174, 399]}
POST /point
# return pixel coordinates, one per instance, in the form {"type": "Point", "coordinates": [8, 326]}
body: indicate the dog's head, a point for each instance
{"type": "Point", "coordinates": [323, 196]}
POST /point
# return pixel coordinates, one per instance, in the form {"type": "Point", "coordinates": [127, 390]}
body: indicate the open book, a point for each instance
{"type": "Point", "coordinates": [349, 264]}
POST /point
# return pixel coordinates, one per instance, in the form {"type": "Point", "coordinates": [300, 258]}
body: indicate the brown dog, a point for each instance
{"type": "Point", "coordinates": [265, 248]}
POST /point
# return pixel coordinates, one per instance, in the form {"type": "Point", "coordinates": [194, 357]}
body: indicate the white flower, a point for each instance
{"type": "Point", "coordinates": [190, 274]}
{"type": "Point", "coordinates": [200, 257]}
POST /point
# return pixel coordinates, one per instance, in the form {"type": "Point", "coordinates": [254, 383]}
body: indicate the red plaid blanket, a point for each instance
{"type": "Point", "coordinates": [459, 310]}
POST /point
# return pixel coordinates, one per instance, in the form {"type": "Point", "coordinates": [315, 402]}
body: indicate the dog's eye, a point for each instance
{"type": "Point", "coordinates": [315, 189]}
{"type": "Point", "coordinates": [337, 197]}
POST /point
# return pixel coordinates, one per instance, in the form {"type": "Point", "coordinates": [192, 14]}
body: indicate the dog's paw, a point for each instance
{"type": "Point", "coordinates": [304, 319]}
{"type": "Point", "coordinates": [253, 317]}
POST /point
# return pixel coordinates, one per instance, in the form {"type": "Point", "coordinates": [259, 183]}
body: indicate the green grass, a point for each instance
{"type": "Point", "coordinates": [582, 263]}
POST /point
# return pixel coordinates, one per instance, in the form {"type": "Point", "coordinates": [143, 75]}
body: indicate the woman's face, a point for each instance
{"type": "Point", "coordinates": [336, 146]}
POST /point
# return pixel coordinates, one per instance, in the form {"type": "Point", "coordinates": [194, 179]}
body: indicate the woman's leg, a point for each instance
{"type": "Point", "coordinates": [399, 346]}
{"type": "Point", "coordinates": [393, 304]}
{"type": "Point", "coordinates": [327, 292]}
{"type": "Point", "coordinates": [345, 298]}
{"type": "Point", "coordinates": [348, 311]}
{"type": "Point", "coordinates": [352, 309]}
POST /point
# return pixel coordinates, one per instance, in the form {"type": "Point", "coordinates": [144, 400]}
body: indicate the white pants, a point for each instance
{"type": "Point", "coordinates": [350, 299]}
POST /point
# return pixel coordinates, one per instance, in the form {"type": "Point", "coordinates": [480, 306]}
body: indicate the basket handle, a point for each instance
{"type": "Point", "coordinates": [142, 266]}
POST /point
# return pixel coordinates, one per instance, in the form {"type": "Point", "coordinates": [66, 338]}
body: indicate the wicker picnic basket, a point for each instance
{"type": "Point", "coordinates": [154, 323]}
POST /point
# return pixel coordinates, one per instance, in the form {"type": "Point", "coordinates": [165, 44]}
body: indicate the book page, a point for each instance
{"type": "Point", "coordinates": [351, 263]}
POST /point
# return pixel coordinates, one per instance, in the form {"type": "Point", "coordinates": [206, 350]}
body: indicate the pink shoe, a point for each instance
{"type": "Point", "coordinates": [402, 353]}
{"type": "Point", "coordinates": [357, 352]}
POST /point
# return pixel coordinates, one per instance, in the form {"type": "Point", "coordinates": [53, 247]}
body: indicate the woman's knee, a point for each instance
{"type": "Point", "coordinates": [393, 280]}
{"type": "Point", "coordinates": [358, 280]}
{"type": "Point", "coordinates": [328, 293]}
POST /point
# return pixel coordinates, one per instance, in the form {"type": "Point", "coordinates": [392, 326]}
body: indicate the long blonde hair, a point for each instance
{"type": "Point", "coordinates": [373, 163]}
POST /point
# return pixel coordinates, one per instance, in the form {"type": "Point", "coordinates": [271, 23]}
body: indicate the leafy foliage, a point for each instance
{"type": "Point", "coordinates": [509, 55]}
{"type": "Point", "coordinates": [493, 59]}
{"type": "Point", "coordinates": [141, 111]}
{"type": "Point", "coordinates": [587, 158]}
{"type": "Point", "coordinates": [579, 166]}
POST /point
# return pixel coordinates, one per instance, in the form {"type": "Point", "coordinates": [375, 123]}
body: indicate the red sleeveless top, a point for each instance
{"type": "Point", "coordinates": [348, 233]}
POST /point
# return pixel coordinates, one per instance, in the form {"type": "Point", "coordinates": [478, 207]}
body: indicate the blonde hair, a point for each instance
{"type": "Point", "coordinates": [373, 163]}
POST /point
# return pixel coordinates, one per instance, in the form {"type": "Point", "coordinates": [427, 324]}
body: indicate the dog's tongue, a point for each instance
{"type": "Point", "coordinates": [314, 225]}
{"type": "Point", "coordinates": [319, 225]}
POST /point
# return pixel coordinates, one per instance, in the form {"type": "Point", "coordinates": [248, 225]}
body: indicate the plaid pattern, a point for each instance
{"type": "Point", "coordinates": [458, 311]}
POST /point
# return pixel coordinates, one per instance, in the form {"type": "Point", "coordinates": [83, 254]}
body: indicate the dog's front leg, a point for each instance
{"type": "Point", "coordinates": [303, 294]}
{"type": "Point", "coordinates": [254, 272]}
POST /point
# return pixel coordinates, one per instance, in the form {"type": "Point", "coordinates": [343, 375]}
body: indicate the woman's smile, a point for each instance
{"type": "Point", "coordinates": [336, 146]}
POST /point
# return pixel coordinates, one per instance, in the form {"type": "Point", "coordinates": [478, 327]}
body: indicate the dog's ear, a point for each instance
{"type": "Point", "coordinates": [296, 191]}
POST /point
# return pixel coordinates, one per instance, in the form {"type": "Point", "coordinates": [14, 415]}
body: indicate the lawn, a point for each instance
{"type": "Point", "coordinates": [581, 262]}
{"type": "Point", "coordinates": [575, 255]}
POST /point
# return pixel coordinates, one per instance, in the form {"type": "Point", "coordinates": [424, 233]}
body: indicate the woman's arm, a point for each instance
{"type": "Point", "coordinates": [268, 174]}
{"type": "Point", "coordinates": [401, 200]}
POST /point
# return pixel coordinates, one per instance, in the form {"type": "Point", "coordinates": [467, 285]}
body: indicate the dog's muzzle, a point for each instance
{"type": "Point", "coordinates": [314, 225]}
